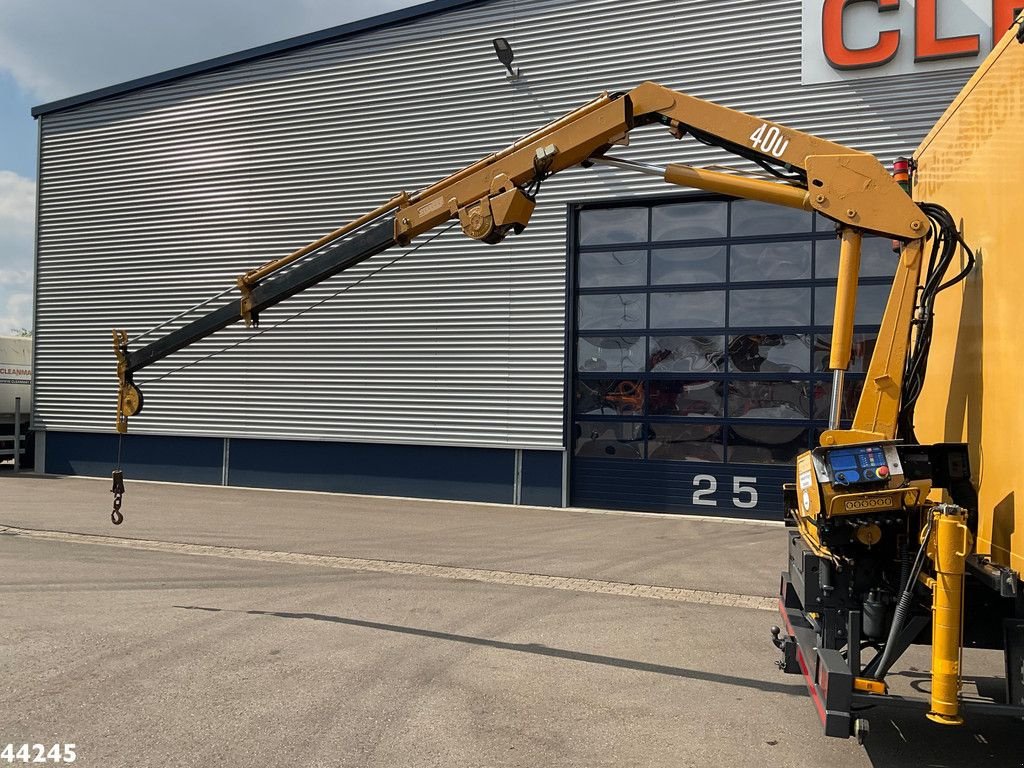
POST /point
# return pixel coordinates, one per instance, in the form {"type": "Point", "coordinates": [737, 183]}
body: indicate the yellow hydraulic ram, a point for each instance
{"type": "Point", "coordinates": [948, 546]}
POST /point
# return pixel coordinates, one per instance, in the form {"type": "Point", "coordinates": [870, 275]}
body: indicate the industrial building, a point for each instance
{"type": "Point", "coordinates": [638, 347]}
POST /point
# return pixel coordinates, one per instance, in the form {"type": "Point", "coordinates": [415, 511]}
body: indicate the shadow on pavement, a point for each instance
{"type": "Point", "coordinates": [906, 739]}
{"type": "Point", "coordinates": [534, 648]}
{"type": "Point", "coordinates": [900, 738]}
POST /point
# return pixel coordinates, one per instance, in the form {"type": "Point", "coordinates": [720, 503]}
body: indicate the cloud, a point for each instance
{"type": "Point", "coordinates": [17, 201]}
{"type": "Point", "coordinates": [17, 225]}
{"type": "Point", "coordinates": [60, 48]}
{"type": "Point", "coordinates": [15, 310]}
{"type": "Point", "coordinates": [63, 47]}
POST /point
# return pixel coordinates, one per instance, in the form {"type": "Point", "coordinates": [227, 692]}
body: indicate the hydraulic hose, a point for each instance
{"type": "Point", "coordinates": [899, 618]}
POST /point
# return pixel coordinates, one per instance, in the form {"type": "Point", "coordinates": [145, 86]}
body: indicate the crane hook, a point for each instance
{"type": "Point", "coordinates": [116, 517]}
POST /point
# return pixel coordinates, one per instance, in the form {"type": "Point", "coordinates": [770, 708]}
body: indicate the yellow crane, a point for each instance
{"type": "Point", "coordinates": [888, 534]}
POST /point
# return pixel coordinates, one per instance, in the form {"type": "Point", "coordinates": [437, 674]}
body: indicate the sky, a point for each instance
{"type": "Point", "coordinates": [52, 49]}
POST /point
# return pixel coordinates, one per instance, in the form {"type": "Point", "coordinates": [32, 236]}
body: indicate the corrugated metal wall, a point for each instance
{"type": "Point", "coordinates": [155, 200]}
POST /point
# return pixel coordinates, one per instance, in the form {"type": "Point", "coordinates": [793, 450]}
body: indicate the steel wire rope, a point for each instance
{"type": "Point", "coordinates": [170, 320]}
{"type": "Point", "coordinates": [301, 312]}
{"type": "Point", "coordinates": [118, 489]}
{"type": "Point", "coordinates": [194, 307]}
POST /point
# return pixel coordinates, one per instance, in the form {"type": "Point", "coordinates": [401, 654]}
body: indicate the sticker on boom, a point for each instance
{"type": "Point", "coordinates": [434, 205]}
{"type": "Point", "coordinates": [770, 140]}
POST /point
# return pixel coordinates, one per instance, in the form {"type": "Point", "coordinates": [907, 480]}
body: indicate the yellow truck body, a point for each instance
{"type": "Point", "coordinates": [972, 162]}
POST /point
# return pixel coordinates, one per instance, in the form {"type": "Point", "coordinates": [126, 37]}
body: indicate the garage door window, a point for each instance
{"type": "Point", "coordinates": [702, 329]}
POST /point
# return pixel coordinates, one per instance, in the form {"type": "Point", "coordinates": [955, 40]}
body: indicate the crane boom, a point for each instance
{"type": "Point", "coordinates": [496, 195]}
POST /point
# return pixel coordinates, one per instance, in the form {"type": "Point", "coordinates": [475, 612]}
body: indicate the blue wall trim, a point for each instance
{"type": "Point", "coordinates": [541, 484]}
{"type": "Point", "coordinates": [143, 457]}
{"type": "Point", "coordinates": [680, 487]}
{"type": "Point", "coordinates": [426, 472]}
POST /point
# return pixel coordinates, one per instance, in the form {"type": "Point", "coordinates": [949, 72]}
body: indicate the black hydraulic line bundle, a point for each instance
{"type": "Point", "coordinates": [945, 237]}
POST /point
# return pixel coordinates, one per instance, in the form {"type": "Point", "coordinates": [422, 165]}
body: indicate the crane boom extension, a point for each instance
{"type": "Point", "coordinates": [332, 260]}
{"type": "Point", "coordinates": [495, 196]}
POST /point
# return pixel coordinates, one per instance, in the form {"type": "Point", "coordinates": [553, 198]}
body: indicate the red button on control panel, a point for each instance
{"type": "Point", "coordinates": [882, 472]}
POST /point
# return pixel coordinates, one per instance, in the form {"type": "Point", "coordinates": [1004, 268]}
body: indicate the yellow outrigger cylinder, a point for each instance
{"type": "Point", "coordinates": [949, 544]}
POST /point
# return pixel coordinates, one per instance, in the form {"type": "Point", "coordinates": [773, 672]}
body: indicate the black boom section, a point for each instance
{"type": "Point", "coordinates": [329, 261]}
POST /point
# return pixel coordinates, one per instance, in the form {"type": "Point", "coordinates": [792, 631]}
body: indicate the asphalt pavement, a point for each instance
{"type": "Point", "coordinates": [257, 628]}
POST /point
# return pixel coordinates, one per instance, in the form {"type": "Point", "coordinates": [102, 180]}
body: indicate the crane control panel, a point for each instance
{"type": "Point", "coordinates": [856, 479]}
{"type": "Point", "coordinates": [857, 465]}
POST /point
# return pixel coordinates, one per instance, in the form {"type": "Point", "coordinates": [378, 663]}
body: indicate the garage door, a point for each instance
{"type": "Point", "coordinates": [700, 335]}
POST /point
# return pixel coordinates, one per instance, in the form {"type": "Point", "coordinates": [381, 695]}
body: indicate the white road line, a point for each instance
{"type": "Point", "coordinates": [510, 578]}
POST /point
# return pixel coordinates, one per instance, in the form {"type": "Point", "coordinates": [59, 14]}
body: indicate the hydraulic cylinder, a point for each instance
{"type": "Point", "coordinates": [846, 299]}
{"type": "Point", "coordinates": [948, 548]}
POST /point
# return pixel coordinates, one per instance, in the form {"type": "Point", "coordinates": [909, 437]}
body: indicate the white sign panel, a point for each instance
{"type": "Point", "coordinates": [15, 373]}
{"type": "Point", "coordinates": [851, 39]}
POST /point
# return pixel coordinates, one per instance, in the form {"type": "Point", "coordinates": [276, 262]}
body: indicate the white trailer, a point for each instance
{"type": "Point", "coordinates": [15, 394]}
